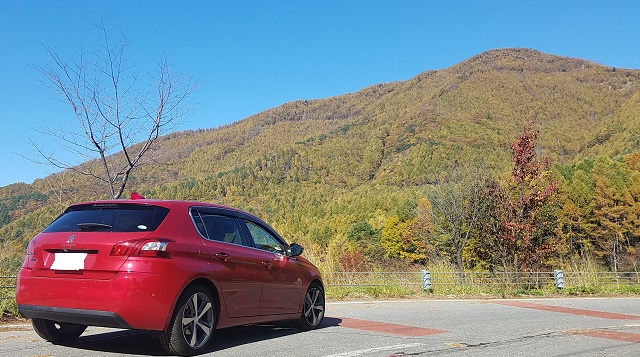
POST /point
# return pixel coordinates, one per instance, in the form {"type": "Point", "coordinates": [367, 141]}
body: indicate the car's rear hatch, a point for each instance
{"type": "Point", "coordinates": [92, 241]}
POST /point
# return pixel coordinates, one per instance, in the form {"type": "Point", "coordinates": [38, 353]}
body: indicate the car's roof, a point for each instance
{"type": "Point", "coordinates": [162, 203]}
{"type": "Point", "coordinates": [177, 204]}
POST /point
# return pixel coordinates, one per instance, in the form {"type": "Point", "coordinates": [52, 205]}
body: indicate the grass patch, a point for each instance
{"type": "Point", "coordinates": [8, 310]}
{"type": "Point", "coordinates": [369, 292]}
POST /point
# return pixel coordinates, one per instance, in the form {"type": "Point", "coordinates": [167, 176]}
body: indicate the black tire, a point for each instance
{"type": "Point", "coordinates": [192, 324]}
{"type": "Point", "coordinates": [313, 308]}
{"type": "Point", "coordinates": [57, 332]}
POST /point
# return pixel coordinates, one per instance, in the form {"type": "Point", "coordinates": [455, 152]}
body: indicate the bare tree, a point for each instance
{"type": "Point", "coordinates": [457, 208]}
{"type": "Point", "coordinates": [119, 118]}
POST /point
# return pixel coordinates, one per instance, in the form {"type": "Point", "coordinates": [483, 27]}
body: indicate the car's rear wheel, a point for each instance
{"type": "Point", "coordinates": [57, 332]}
{"type": "Point", "coordinates": [313, 309]}
{"type": "Point", "coordinates": [192, 324]}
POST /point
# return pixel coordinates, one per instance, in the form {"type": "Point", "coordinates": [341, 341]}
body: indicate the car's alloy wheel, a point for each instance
{"type": "Point", "coordinates": [192, 324]}
{"type": "Point", "coordinates": [313, 309]}
{"type": "Point", "coordinates": [57, 332]}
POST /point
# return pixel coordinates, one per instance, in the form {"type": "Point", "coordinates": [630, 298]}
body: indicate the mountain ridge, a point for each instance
{"type": "Point", "coordinates": [387, 140]}
{"type": "Point", "coordinates": [464, 92]}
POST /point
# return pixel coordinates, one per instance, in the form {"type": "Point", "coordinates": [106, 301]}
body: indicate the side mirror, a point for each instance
{"type": "Point", "coordinates": [295, 249]}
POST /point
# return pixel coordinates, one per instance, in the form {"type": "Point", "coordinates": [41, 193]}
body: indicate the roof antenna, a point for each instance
{"type": "Point", "coordinates": [136, 196]}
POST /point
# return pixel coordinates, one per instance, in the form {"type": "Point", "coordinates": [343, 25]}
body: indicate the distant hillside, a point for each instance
{"type": "Point", "coordinates": [314, 167]}
{"type": "Point", "coordinates": [472, 109]}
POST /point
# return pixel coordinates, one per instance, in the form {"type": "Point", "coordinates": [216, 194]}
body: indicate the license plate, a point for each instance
{"type": "Point", "coordinates": [68, 261]}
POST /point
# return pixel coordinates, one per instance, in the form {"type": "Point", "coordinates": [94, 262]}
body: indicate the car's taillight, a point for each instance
{"type": "Point", "coordinates": [142, 248]}
{"type": "Point", "coordinates": [31, 248]}
{"type": "Point", "coordinates": [124, 248]}
{"type": "Point", "coordinates": [154, 249]}
{"type": "Point", "coordinates": [31, 252]}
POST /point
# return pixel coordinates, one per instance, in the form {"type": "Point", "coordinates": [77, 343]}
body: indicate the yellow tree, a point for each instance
{"type": "Point", "coordinates": [406, 236]}
{"type": "Point", "coordinates": [575, 226]}
{"type": "Point", "coordinates": [616, 208]}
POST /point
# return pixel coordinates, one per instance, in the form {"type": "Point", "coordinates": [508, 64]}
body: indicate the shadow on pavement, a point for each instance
{"type": "Point", "coordinates": [146, 343]}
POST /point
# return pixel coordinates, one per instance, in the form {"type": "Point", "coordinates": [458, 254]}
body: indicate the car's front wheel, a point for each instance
{"type": "Point", "coordinates": [313, 309]}
{"type": "Point", "coordinates": [192, 324]}
{"type": "Point", "coordinates": [57, 332]}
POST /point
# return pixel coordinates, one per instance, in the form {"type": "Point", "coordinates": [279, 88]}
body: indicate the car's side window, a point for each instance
{"type": "Point", "coordinates": [263, 239]}
{"type": "Point", "coordinates": [218, 227]}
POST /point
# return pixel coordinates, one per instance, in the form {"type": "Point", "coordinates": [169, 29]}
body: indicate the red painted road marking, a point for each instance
{"type": "Point", "coordinates": [610, 335]}
{"type": "Point", "coordinates": [374, 326]}
{"type": "Point", "coordinates": [569, 310]}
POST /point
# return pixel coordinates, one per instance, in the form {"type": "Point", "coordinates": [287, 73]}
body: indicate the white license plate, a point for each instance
{"type": "Point", "coordinates": [68, 261]}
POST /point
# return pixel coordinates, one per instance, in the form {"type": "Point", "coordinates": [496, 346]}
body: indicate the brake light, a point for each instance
{"type": "Point", "coordinates": [124, 248]}
{"type": "Point", "coordinates": [136, 196]}
{"type": "Point", "coordinates": [141, 248]}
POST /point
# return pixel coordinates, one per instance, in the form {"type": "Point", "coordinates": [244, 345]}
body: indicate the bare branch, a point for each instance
{"type": "Point", "coordinates": [113, 111]}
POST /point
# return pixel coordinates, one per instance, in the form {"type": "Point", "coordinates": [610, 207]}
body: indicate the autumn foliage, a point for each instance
{"type": "Point", "coordinates": [529, 193]}
{"type": "Point", "coordinates": [513, 160]}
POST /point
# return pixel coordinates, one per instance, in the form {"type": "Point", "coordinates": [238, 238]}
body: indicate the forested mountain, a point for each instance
{"type": "Point", "coordinates": [342, 174]}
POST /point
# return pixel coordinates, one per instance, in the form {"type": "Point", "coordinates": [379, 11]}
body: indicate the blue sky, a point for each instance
{"type": "Point", "coordinates": [254, 55]}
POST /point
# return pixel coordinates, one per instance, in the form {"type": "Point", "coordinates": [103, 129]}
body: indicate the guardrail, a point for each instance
{"type": "Point", "coordinates": [7, 287]}
{"type": "Point", "coordinates": [452, 282]}
{"type": "Point", "coordinates": [456, 282]}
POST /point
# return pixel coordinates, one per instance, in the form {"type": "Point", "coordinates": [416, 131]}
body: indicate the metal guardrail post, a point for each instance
{"type": "Point", "coordinates": [558, 276]}
{"type": "Point", "coordinates": [426, 280]}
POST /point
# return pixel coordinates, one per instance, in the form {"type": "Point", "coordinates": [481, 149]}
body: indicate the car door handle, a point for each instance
{"type": "Point", "coordinates": [267, 264]}
{"type": "Point", "coordinates": [223, 256]}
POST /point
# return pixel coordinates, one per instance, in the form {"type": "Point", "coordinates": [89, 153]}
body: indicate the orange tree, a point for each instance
{"type": "Point", "coordinates": [527, 202]}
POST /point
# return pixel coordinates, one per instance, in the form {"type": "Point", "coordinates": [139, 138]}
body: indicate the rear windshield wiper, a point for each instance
{"type": "Point", "coordinates": [93, 226]}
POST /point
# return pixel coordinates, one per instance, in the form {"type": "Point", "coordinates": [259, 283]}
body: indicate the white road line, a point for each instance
{"type": "Point", "coordinates": [372, 350]}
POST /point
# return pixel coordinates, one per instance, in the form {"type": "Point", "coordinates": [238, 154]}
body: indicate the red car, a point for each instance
{"type": "Point", "coordinates": [180, 268]}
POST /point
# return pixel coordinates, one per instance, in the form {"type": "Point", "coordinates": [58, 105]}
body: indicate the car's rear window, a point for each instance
{"type": "Point", "coordinates": [111, 217]}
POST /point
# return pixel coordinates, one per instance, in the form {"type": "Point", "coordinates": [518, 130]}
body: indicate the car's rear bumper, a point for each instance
{"type": "Point", "coordinates": [76, 316]}
{"type": "Point", "coordinates": [129, 300]}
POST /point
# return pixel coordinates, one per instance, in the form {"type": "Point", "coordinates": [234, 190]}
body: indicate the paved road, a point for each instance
{"type": "Point", "coordinates": [532, 327]}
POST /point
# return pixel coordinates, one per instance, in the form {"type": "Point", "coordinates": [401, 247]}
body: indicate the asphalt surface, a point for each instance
{"type": "Point", "coordinates": [531, 327]}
